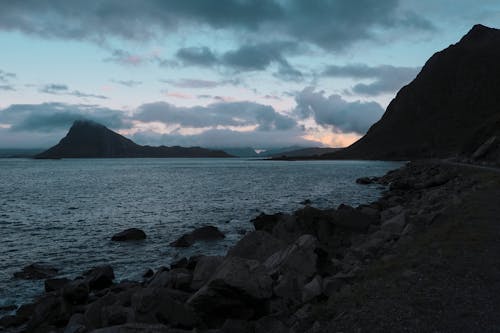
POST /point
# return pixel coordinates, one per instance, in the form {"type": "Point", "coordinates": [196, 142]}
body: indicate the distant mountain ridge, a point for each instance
{"type": "Point", "coordinates": [88, 139]}
{"type": "Point", "coordinates": [450, 109]}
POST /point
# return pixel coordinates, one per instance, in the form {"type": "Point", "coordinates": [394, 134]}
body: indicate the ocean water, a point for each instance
{"type": "Point", "coordinates": [64, 212]}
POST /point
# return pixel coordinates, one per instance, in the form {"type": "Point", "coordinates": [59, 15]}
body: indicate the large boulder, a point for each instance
{"type": "Point", "coordinates": [155, 305]}
{"type": "Point", "coordinates": [235, 290]}
{"type": "Point", "coordinates": [293, 266]}
{"type": "Point", "coordinates": [204, 269]}
{"type": "Point", "coordinates": [55, 284]}
{"type": "Point", "coordinates": [266, 222]}
{"type": "Point", "coordinates": [131, 234]}
{"type": "Point", "coordinates": [177, 278]}
{"type": "Point", "coordinates": [395, 225]}
{"type": "Point", "coordinates": [36, 271]}
{"type": "Point", "coordinates": [99, 277]}
{"type": "Point", "coordinates": [207, 233]}
{"type": "Point", "coordinates": [256, 245]}
{"type": "Point", "coordinates": [353, 219]}
{"type": "Point", "coordinates": [76, 292]}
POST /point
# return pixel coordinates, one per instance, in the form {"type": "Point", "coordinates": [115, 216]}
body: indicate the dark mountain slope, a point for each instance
{"type": "Point", "coordinates": [451, 108]}
{"type": "Point", "coordinates": [90, 139]}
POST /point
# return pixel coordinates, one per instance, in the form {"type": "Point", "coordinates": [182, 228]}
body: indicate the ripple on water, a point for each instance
{"type": "Point", "coordinates": [64, 212]}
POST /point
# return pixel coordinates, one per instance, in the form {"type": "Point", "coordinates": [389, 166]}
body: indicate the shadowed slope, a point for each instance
{"type": "Point", "coordinates": [450, 108]}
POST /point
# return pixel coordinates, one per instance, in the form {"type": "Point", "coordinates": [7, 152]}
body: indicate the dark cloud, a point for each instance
{"type": "Point", "coordinates": [252, 57]}
{"type": "Point", "coordinates": [192, 83]}
{"type": "Point", "coordinates": [330, 24]}
{"type": "Point", "coordinates": [201, 56]}
{"type": "Point", "coordinates": [53, 88]}
{"type": "Point", "coordinates": [128, 83]}
{"type": "Point", "coordinates": [7, 87]}
{"type": "Point", "coordinates": [228, 138]}
{"type": "Point", "coordinates": [386, 78]}
{"type": "Point", "coordinates": [62, 89]}
{"type": "Point", "coordinates": [49, 117]}
{"type": "Point", "coordinates": [334, 111]}
{"type": "Point", "coordinates": [218, 114]}
{"type": "Point", "coordinates": [6, 76]}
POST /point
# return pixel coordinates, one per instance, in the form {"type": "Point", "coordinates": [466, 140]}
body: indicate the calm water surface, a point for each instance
{"type": "Point", "coordinates": [63, 212]}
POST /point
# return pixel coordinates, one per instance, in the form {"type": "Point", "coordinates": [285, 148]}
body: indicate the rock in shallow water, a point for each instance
{"type": "Point", "coordinates": [36, 271]}
{"type": "Point", "coordinates": [207, 233]}
{"type": "Point", "coordinates": [131, 234]}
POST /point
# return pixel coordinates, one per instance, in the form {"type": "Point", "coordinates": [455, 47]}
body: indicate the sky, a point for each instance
{"type": "Point", "coordinates": [225, 73]}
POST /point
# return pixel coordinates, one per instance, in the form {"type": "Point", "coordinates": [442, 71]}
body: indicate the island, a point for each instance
{"type": "Point", "coordinates": [88, 139]}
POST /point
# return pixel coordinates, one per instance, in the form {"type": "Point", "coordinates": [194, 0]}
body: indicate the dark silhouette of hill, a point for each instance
{"type": "Point", "coordinates": [451, 108]}
{"type": "Point", "coordinates": [305, 152]}
{"type": "Point", "coordinates": [89, 139]}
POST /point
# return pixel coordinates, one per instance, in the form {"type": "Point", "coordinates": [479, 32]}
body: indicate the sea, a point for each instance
{"type": "Point", "coordinates": [64, 212]}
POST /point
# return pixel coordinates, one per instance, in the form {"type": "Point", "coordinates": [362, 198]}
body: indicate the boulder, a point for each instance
{"type": "Point", "coordinates": [349, 218]}
{"type": "Point", "coordinates": [93, 313]}
{"type": "Point", "coordinates": [270, 324]}
{"type": "Point", "coordinates": [293, 266]}
{"type": "Point", "coordinates": [394, 225]}
{"type": "Point", "coordinates": [266, 222]}
{"type": "Point", "coordinates": [236, 290]}
{"type": "Point", "coordinates": [256, 245]}
{"type": "Point", "coordinates": [116, 315]}
{"type": "Point", "coordinates": [132, 234]}
{"type": "Point", "coordinates": [207, 233]}
{"type": "Point", "coordinates": [367, 180]}
{"type": "Point", "coordinates": [76, 292]}
{"type": "Point", "coordinates": [240, 326]}
{"type": "Point", "coordinates": [312, 289]}
{"type": "Point", "coordinates": [76, 324]}
{"type": "Point", "coordinates": [36, 271]}
{"type": "Point", "coordinates": [205, 268]}
{"type": "Point", "coordinates": [390, 212]}
{"type": "Point", "coordinates": [155, 305]}
{"type": "Point", "coordinates": [55, 284]}
{"type": "Point", "coordinates": [178, 278]}
{"type": "Point", "coordinates": [99, 277]}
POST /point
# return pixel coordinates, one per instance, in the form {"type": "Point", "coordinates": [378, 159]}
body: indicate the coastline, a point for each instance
{"type": "Point", "coordinates": [290, 274]}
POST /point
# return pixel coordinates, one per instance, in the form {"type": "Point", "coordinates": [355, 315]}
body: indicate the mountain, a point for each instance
{"type": "Point", "coordinates": [89, 139]}
{"type": "Point", "coordinates": [305, 152]}
{"type": "Point", "coordinates": [241, 152]}
{"type": "Point", "coordinates": [451, 108]}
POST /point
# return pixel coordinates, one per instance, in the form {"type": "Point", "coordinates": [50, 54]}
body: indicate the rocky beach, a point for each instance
{"type": "Point", "coordinates": [422, 257]}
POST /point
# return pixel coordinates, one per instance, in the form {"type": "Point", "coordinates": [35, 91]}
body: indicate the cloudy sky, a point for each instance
{"type": "Point", "coordinates": [225, 73]}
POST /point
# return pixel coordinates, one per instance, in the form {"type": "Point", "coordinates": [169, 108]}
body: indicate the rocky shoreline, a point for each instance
{"type": "Point", "coordinates": [286, 276]}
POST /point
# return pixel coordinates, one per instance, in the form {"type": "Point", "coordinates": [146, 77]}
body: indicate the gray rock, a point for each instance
{"type": "Point", "coordinates": [204, 269]}
{"type": "Point", "coordinates": [270, 324]}
{"type": "Point", "coordinates": [76, 292]}
{"type": "Point", "coordinates": [312, 289]}
{"type": "Point", "coordinates": [293, 266]}
{"type": "Point", "coordinates": [153, 305]}
{"type": "Point", "coordinates": [236, 287]}
{"type": "Point", "coordinates": [178, 278]}
{"type": "Point", "coordinates": [353, 219]}
{"type": "Point", "coordinates": [207, 233]}
{"type": "Point", "coordinates": [76, 324]}
{"type": "Point", "coordinates": [55, 284]}
{"type": "Point", "coordinates": [256, 245]}
{"type": "Point", "coordinates": [395, 225]}
{"type": "Point", "coordinates": [100, 277]}
{"type": "Point", "coordinates": [36, 271]}
{"type": "Point", "coordinates": [131, 234]}
{"type": "Point", "coordinates": [390, 213]}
